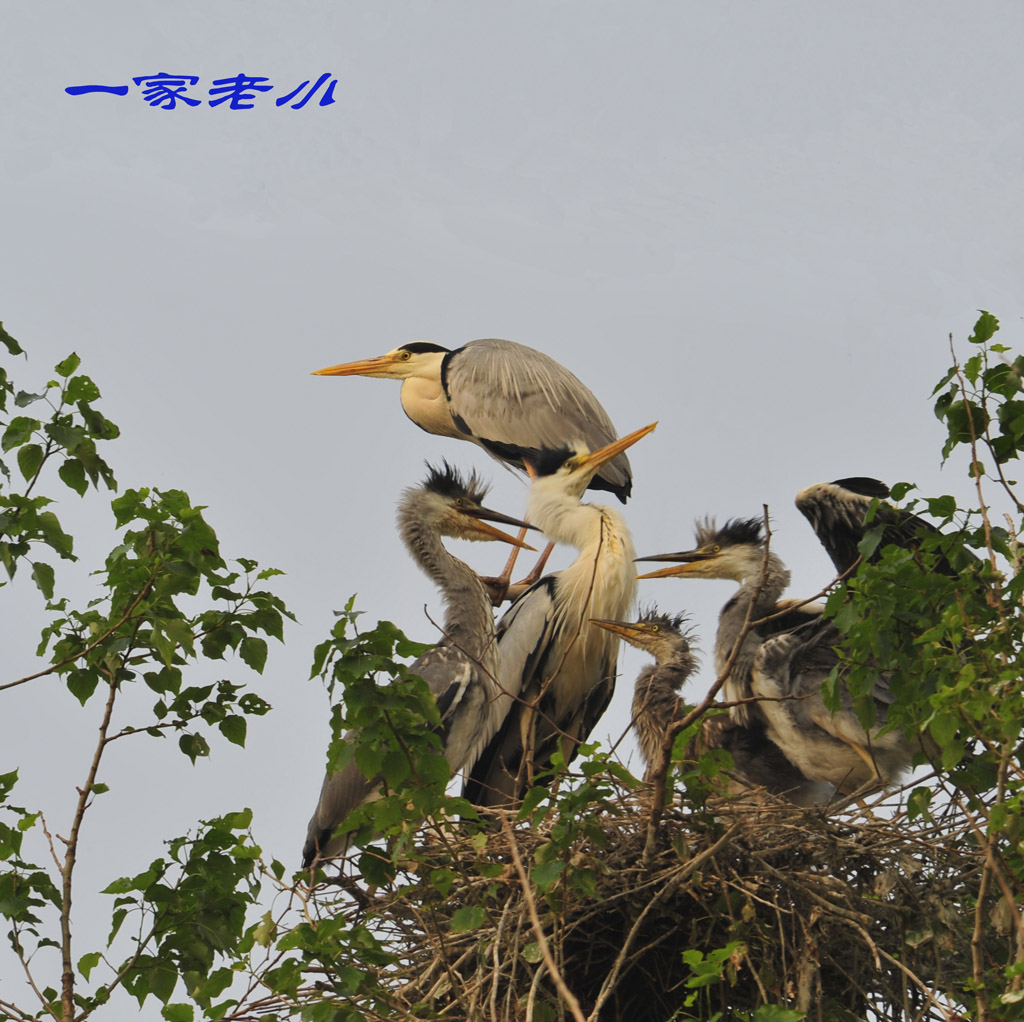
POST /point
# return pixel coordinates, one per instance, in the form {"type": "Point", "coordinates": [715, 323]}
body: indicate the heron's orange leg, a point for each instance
{"type": "Point", "coordinates": [500, 588]}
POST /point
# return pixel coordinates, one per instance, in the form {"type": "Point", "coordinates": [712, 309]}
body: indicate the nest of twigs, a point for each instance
{"type": "Point", "coordinates": [842, 915]}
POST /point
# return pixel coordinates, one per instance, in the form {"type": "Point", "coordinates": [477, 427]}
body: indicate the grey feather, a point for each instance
{"type": "Point", "coordinates": [831, 747]}
{"type": "Point", "coordinates": [460, 671]}
{"type": "Point", "coordinates": [657, 706]}
{"type": "Point", "coordinates": [507, 394]}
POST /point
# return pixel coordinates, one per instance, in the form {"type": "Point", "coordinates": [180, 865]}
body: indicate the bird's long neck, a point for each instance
{"type": "Point", "coordinates": [468, 619]}
{"type": "Point", "coordinates": [756, 597]}
{"type": "Point", "coordinates": [656, 704]}
{"type": "Point", "coordinates": [762, 586]}
{"type": "Point", "coordinates": [604, 567]}
{"type": "Point", "coordinates": [601, 582]}
{"type": "Point", "coordinates": [424, 401]}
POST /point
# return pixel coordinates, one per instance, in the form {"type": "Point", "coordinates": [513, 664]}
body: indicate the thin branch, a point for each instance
{"type": "Point", "coordinates": [538, 931]}
{"type": "Point", "coordinates": [92, 645]}
{"type": "Point", "coordinates": [84, 793]}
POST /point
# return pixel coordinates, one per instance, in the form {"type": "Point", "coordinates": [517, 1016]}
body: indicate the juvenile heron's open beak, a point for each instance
{"type": "Point", "coordinates": [687, 562]}
{"type": "Point", "coordinates": [482, 515]}
{"type": "Point", "coordinates": [627, 629]}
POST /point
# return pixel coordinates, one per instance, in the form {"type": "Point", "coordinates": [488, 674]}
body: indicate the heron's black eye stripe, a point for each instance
{"type": "Point", "coordinates": [422, 348]}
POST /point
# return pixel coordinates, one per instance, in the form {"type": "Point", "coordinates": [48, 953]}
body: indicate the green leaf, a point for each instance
{"type": "Point", "coordinates": [81, 684]}
{"type": "Point", "coordinates": [68, 365]}
{"type": "Point", "coordinates": [984, 329]}
{"type": "Point", "coordinates": [30, 458]}
{"type": "Point", "coordinates": [193, 746]}
{"type": "Point", "coordinates": [776, 1013]}
{"type": "Point", "coordinates": [54, 535]}
{"type": "Point", "coordinates": [546, 875]}
{"type": "Point", "coordinates": [532, 953]}
{"type": "Point", "coordinates": [81, 388]}
{"type": "Point", "coordinates": [254, 652]}
{"type": "Point", "coordinates": [18, 431]}
{"type": "Point", "coordinates": [178, 1012]}
{"type": "Point", "coordinates": [42, 574]}
{"type": "Point", "coordinates": [89, 962]}
{"type": "Point", "coordinates": [11, 344]}
{"type": "Point", "coordinates": [72, 473]}
{"type": "Point", "coordinates": [918, 803]}
{"type": "Point", "coordinates": [942, 507]}
{"type": "Point", "coordinates": [469, 917]}
{"type": "Point", "coordinates": [234, 730]}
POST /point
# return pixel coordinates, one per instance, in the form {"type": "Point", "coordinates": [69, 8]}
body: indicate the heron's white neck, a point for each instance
{"type": "Point", "coordinates": [601, 582]}
{"type": "Point", "coordinates": [424, 402]}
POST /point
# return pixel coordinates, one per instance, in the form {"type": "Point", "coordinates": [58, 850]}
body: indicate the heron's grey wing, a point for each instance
{"type": "Point", "coordinates": [464, 695]}
{"type": "Point", "coordinates": [514, 400]}
{"type": "Point", "coordinates": [583, 720]}
{"type": "Point", "coordinates": [525, 634]}
{"type": "Point", "coordinates": [837, 512]}
{"type": "Point", "coordinates": [837, 516]}
{"type": "Point", "coordinates": [341, 793]}
{"type": "Point", "coordinates": [448, 673]}
{"type": "Point", "coordinates": [810, 667]}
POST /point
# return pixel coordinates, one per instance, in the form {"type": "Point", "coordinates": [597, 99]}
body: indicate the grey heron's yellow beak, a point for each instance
{"type": "Point", "coordinates": [627, 629]}
{"type": "Point", "coordinates": [693, 563]}
{"type": "Point", "coordinates": [382, 365]}
{"type": "Point", "coordinates": [481, 515]}
{"type": "Point", "coordinates": [593, 461]}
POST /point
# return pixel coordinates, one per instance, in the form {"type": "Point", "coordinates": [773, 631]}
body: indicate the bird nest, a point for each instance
{"type": "Point", "coordinates": [840, 914]}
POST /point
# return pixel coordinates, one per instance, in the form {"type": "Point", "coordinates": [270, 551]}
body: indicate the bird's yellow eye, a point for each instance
{"type": "Point", "coordinates": [404, 356]}
{"type": "Point", "coordinates": [715, 549]}
{"type": "Point", "coordinates": [654, 628]}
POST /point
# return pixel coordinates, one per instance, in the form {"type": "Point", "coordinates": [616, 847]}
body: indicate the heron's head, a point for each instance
{"type": "Point", "coordinates": [570, 468]}
{"type": "Point", "coordinates": [452, 505]}
{"type": "Point", "coordinates": [734, 551]}
{"type": "Point", "coordinates": [420, 359]}
{"type": "Point", "coordinates": [661, 635]}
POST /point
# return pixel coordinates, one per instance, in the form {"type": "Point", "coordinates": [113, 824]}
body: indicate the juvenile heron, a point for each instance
{"type": "Point", "coordinates": [461, 670]}
{"type": "Point", "coordinates": [757, 761]}
{"type": "Point", "coordinates": [827, 748]}
{"type": "Point", "coordinates": [789, 671]}
{"type": "Point", "coordinates": [736, 551]}
{"type": "Point", "coordinates": [557, 670]}
{"type": "Point", "coordinates": [509, 399]}
{"type": "Point", "coordinates": [838, 514]}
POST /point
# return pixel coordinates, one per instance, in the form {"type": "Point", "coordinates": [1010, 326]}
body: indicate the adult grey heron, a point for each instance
{"type": "Point", "coordinates": [757, 761]}
{"type": "Point", "coordinates": [736, 551]}
{"type": "Point", "coordinates": [838, 513]}
{"type": "Point", "coordinates": [509, 399]}
{"type": "Point", "coordinates": [462, 669]}
{"type": "Point", "coordinates": [557, 670]}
